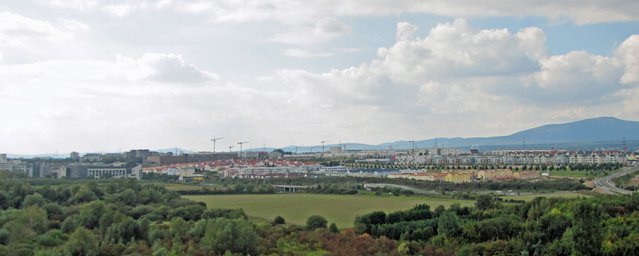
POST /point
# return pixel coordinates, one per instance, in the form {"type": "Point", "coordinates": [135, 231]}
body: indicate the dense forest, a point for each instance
{"type": "Point", "coordinates": [544, 226]}
{"type": "Point", "coordinates": [127, 217]}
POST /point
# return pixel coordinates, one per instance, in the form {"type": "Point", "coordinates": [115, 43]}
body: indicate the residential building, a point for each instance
{"type": "Point", "coordinates": [189, 158]}
{"type": "Point", "coordinates": [91, 157]}
{"type": "Point", "coordinates": [14, 166]}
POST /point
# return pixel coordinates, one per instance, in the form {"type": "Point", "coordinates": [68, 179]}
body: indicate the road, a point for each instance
{"type": "Point", "coordinates": [607, 186]}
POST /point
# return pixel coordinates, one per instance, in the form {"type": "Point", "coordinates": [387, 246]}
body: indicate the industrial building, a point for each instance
{"type": "Point", "coordinates": [102, 171]}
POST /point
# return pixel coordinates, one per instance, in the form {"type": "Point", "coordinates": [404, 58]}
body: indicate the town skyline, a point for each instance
{"type": "Point", "coordinates": [603, 133]}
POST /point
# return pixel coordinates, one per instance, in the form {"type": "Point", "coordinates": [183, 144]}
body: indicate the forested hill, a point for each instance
{"type": "Point", "coordinates": [598, 132]}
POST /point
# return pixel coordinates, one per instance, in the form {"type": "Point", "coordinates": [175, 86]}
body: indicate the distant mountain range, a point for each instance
{"type": "Point", "coordinates": [595, 133]}
{"type": "Point", "coordinates": [588, 134]}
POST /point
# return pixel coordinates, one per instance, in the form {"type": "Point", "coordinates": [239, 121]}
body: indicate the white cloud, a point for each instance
{"type": "Point", "coordinates": [451, 80]}
{"type": "Point", "coordinates": [406, 31]}
{"type": "Point", "coordinates": [15, 28]}
{"type": "Point", "coordinates": [580, 12]}
{"type": "Point", "coordinates": [319, 31]}
{"type": "Point", "coordinates": [307, 22]}
{"type": "Point", "coordinates": [157, 67]}
{"type": "Point", "coordinates": [630, 103]}
{"type": "Point", "coordinates": [118, 9]}
{"type": "Point", "coordinates": [71, 24]}
{"type": "Point", "coordinates": [579, 72]}
{"type": "Point", "coordinates": [454, 50]}
{"type": "Point", "coordinates": [628, 53]}
{"type": "Point", "coordinates": [228, 11]}
{"type": "Point", "coordinates": [302, 53]}
{"type": "Point", "coordinates": [457, 72]}
{"type": "Point", "coordinates": [169, 68]}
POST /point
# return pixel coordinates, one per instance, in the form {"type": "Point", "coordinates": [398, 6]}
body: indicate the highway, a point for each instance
{"type": "Point", "coordinates": [607, 186]}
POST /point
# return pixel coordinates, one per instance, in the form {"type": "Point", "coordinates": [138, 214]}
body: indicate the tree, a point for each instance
{"type": "Point", "coordinates": [587, 233]}
{"type": "Point", "coordinates": [33, 199]}
{"type": "Point", "coordinates": [236, 236]}
{"type": "Point", "coordinates": [315, 222]}
{"type": "Point", "coordinates": [69, 224]}
{"type": "Point", "coordinates": [84, 195]}
{"type": "Point", "coordinates": [26, 223]}
{"type": "Point", "coordinates": [52, 238]}
{"type": "Point", "coordinates": [484, 202]}
{"type": "Point", "coordinates": [123, 230]}
{"type": "Point", "coordinates": [54, 211]}
{"type": "Point", "coordinates": [333, 228]}
{"type": "Point", "coordinates": [5, 235]}
{"type": "Point", "coordinates": [449, 224]}
{"type": "Point", "coordinates": [82, 242]}
{"type": "Point", "coordinates": [91, 213]}
{"type": "Point", "coordinates": [178, 227]}
{"type": "Point", "coordinates": [279, 221]}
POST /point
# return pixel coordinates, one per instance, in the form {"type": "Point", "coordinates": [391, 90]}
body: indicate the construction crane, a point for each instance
{"type": "Point", "coordinates": [413, 142]}
{"type": "Point", "coordinates": [323, 142]}
{"type": "Point", "coordinates": [215, 140]}
{"type": "Point", "coordinates": [241, 143]}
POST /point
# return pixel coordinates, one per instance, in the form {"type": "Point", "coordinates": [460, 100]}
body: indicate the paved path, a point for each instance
{"type": "Point", "coordinates": [607, 186]}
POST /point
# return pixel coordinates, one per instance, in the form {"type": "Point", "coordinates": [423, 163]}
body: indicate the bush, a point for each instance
{"type": "Point", "coordinates": [333, 228]}
{"type": "Point", "coordinates": [315, 222]}
{"type": "Point", "coordinates": [4, 236]}
{"type": "Point", "coordinates": [279, 221]}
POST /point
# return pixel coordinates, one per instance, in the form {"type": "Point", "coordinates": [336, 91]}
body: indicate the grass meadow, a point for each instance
{"type": "Point", "coordinates": [341, 209]}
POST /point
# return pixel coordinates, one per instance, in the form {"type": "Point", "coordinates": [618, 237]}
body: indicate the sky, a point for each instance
{"type": "Point", "coordinates": [108, 76]}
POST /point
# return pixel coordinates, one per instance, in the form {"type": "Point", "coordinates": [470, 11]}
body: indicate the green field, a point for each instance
{"type": "Point", "coordinates": [341, 209]}
{"type": "Point", "coordinates": [528, 197]}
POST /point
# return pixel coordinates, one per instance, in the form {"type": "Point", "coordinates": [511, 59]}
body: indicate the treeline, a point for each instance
{"type": "Point", "coordinates": [358, 183]}
{"type": "Point", "coordinates": [229, 189]}
{"type": "Point", "coordinates": [541, 185]}
{"type": "Point", "coordinates": [555, 226]}
{"type": "Point", "coordinates": [339, 189]}
{"type": "Point", "coordinates": [126, 217]}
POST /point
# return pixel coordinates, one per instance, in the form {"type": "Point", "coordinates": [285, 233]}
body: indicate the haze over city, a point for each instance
{"type": "Point", "coordinates": [95, 76]}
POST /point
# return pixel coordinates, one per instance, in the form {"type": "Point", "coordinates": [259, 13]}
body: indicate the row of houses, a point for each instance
{"type": "Point", "coordinates": [278, 171]}
{"type": "Point", "coordinates": [519, 159]}
{"type": "Point", "coordinates": [467, 176]}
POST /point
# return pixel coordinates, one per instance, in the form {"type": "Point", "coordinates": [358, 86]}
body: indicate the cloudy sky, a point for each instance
{"type": "Point", "coordinates": [98, 75]}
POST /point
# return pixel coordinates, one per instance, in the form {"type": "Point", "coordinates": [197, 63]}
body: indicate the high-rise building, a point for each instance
{"type": "Point", "coordinates": [74, 156]}
{"type": "Point", "coordinates": [39, 170]}
{"type": "Point", "coordinates": [3, 158]}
